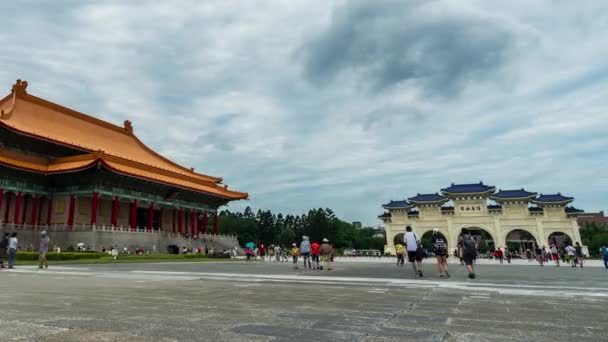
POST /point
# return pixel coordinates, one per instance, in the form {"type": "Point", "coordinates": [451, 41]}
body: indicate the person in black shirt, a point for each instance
{"type": "Point", "coordinates": [440, 248]}
{"type": "Point", "coordinates": [579, 254]}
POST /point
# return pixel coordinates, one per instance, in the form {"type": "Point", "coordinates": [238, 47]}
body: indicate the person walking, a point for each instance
{"type": "Point", "coordinates": [412, 244]}
{"type": "Point", "coordinates": [295, 252]}
{"type": "Point", "coordinates": [262, 252]}
{"type": "Point", "coordinates": [604, 254]}
{"type": "Point", "coordinates": [498, 255]}
{"type": "Point", "coordinates": [440, 248]}
{"type": "Point", "coordinates": [458, 252]}
{"type": "Point", "coordinates": [579, 254]}
{"type": "Point", "coordinates": [540, 255]}
{"type": "Point", "coordinates": [315, 254]}
{"type": "Point", "coordinates": [400, 251]}
{"type": "Point", "coordinates": [3, 249]}
{"type": "Point", "coordinates": [326, 251]}
{"type": "Point", "coordinates": [277, 253]}
{"type": "Point", "coordinates": [285, 254]}
{"type": "Point", "coordinates": [249, 250]}
{"type": "Point", "coordinates": [571, 251]}
{"type": "Point", "coordinates": [469, 253]}
{"type": "Point", "coordinates": [305, 252]}
{"type": "Point", "coordinates": [43, 249]}
{"type": "Point", "coordinates": [555, 255]}
{"type": "Point", "coordinates": [13, 244]}
{"type": "Point", "coordinates": [508, 255]}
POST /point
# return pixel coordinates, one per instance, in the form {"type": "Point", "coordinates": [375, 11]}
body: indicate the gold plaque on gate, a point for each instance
{"type": "Point", "coordinates": [59, 205]}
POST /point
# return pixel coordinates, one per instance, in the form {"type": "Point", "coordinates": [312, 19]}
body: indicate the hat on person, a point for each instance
{"type": "Point", "coordinates": [325, 240]}
{"type": "Point", "coordinates": [43, 233]}
{"type": "Point", "coordinates": [435, 230]}
{"type": "Point", "coordinates": [293, 244]}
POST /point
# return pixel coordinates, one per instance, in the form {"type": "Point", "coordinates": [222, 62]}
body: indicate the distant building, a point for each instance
{"type": "Point", "coordinates": [357, 225]}
{"type": "Point", "coordinates": [586, 218]}
{"type": "Point", "coordinates": [379, 232]}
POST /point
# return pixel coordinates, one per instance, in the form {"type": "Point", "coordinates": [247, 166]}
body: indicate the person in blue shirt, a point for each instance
{"type": "Point", "coordinates": [604, 253]}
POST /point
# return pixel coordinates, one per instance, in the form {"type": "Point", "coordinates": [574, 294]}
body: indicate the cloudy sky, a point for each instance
{"type": "Point", "coordinates": [340, 104]}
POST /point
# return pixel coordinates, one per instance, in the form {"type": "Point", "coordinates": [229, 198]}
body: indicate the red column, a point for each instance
{"type": "Point", "coordinates": [49, 213]}
{"type": "Point", "coordinates": [17, 208]}
{"type": "Point", "coordinates": [94, 206]}
{"type": "Point", "coordinates": [205, 222]}
{"type": "Point", "coordinates": [8, 208]}
{"type": "Point", "coordinates": [180, 220]}
{"type": "Point", "coordinates": [1, 197]}
{"type": "Point", "coordinates": [34, 220]}
{"type": "Point", "coordinates": [115, 208]}
{"type": "Point", "coordinates": [151, 216]}
{"type": "Point", "coordinates": [71, 211]}
{"type": "Point", "coordinates": [25, 203]}
{"type": "Point", "coordinates": [216, 224]}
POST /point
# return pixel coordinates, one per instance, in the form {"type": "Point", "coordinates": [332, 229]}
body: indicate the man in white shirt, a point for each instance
{"type": "Point", "coordinates": [13, 244]}
{"type": "Point", "coordinates": [412, 243]}
{"type": "Point", "coordinates": [571, 254]}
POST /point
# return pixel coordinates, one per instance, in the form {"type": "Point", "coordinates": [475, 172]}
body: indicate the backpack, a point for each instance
{"type": "Point", "coordinates": [440, 246]}
{"type": "Point", "coordinates": [469, 246]}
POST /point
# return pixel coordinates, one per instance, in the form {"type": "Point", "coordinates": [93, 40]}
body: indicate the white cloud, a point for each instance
{"type": "Point", "coordinates": [223, 86]}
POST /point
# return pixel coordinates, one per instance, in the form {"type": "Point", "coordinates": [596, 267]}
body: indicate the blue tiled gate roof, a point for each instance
{"type": "Point", "coordinates": [396, 204]}
{"type": "Point", "coordinates": [427, 198]}
{"type": "Point", "coordinates": [556, 198]}
{"type": "Point", "coordinates": [506, 194]}
{"type": "Point", "coordinates": [468, 188]}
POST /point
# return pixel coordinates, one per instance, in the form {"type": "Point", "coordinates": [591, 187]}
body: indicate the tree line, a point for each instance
{"type": "Point", "coordinates": [270, 228]}
{"type": "Point", "coordinates": [594, 236]}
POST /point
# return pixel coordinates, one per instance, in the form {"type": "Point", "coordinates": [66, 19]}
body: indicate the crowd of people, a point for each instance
{"type": "Point", "coordinates": [466, 251]}
{"type": "Point", "coordinates": [314, 255]}
{"type": "Point", "coordinates": [570, 254]}
{"type": "Point", "coordinates": [9, 244]}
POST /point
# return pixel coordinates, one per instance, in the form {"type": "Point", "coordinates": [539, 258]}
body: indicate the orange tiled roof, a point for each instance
{"type": "Point", "coordinates": [122, 151]}
{"type": "Point", "coordinates": [45, 165]}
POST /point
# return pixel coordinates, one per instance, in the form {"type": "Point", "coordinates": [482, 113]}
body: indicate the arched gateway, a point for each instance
{"type": "Point", "coordinates": [513, 217]}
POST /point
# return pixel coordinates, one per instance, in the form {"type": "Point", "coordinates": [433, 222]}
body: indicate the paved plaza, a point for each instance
{"type": "Point", "coordinates": [236, 301]}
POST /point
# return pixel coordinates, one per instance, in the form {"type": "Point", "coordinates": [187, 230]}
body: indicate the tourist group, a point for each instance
{"type": "Point", "coordinates": [315, 255]}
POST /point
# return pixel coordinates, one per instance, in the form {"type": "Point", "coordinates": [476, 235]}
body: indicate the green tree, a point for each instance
{"type": "Point", "coordinates": [287, 237]}
{"type": "Point", "coordinates": [268, 227]}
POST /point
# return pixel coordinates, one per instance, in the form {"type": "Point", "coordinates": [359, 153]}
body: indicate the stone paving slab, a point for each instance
{"type": "Point", "coordinates": [185, 303]}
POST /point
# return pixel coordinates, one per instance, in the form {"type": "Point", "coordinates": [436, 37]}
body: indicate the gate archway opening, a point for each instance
{"type": "Point", "coordinates": [483, 239]}
{"type": "Point", "coordinates": [427, 240]}
{"type": "Point", "coordinates": [560, 239]}
{"type": "Point", "coordinates": [519, 240]}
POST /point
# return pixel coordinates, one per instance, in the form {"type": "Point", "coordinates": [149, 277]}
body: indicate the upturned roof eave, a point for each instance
{"type": "Point", "coordinates": [87, 161]}
{"type": "Point", "coordinates": [19, 93]}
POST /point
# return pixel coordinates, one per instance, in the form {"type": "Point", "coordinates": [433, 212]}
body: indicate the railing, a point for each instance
{"type": "Point", "coordinates": [104, 228]}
